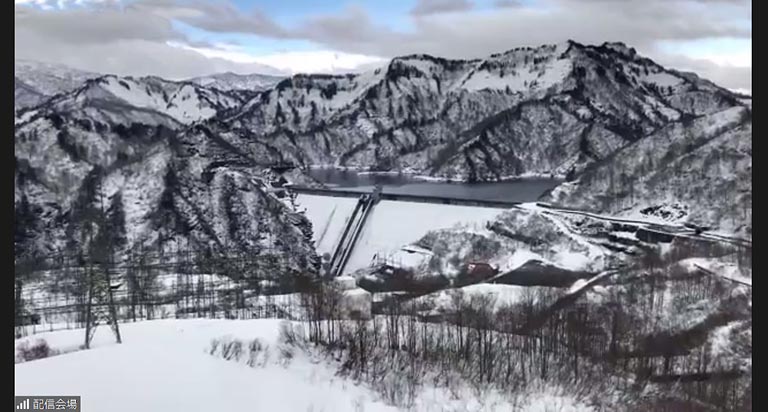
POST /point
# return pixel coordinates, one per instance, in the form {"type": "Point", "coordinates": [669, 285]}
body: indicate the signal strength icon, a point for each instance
{"type": "Point", "coordinates": [23, 405]}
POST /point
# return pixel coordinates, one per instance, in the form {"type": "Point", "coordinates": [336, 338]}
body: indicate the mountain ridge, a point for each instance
{"type": "Point", "coordinates": [202, 153]}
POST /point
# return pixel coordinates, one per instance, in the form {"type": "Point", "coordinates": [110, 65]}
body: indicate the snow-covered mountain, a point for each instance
{"type": "Point", "coordinates": [191, 155]}
{"type": "Point", "coordinates": [544, 110]}
{"type": "Point", "coordinates": [25, 95]}
{"type": "Point", "coordinates": [115, 141]}
{"type": "Point", "coordinates": [556, 109]}
{"type": "Point", "coordinates": [146, 100]}
{"type": "Point", "coordinates": [232, 81]}
{"type": "Point", "coordinates": [698, 172]}
{"type": "Point", "coordinates": [35, 81]}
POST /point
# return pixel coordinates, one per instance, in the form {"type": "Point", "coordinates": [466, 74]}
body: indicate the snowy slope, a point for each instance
{"type": "Point", "coordinates": [510, 240]}
{"type": "Point", "coordinates": [529, 110]}
{"type": "Point", "coordinates": [47, 79]}
{"type": "Point", "coordinates": [196, 188]}
{"type": "Point", "coordinates": [25, 95]}
{"type": "Point", "coordinates": [116, 99]}
{"type": "Point", "coordinates": [499, 296]}
{"type": "Point", "coordinates": [163, 366]}
{"type": "Point", "coordinates": [720, 267]}
{"type": "Point", "coordinates": [702, 171]}
{"type": "Point", "coordinates": [166, 366]}
{"type": "Point", "coordinates": [232, 81]}
{"type": "Point", "coordinates": [550, 68]}
{"type": "Point", "coordinates": [115, 138]}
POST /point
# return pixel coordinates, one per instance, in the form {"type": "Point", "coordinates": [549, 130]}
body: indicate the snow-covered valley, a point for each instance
{"type": "Point", "coordinates": [155, 204]}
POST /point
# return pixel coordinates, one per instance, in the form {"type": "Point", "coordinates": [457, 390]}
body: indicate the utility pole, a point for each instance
{"type": "Point", "coordinates": [100, 306]}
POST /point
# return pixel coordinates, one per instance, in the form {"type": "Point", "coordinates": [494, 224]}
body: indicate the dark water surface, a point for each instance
{"type": "Point", "coordinates": [521, 190]}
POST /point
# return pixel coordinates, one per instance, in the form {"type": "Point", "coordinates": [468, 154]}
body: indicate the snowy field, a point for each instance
{"type": "Point", "coordinates": [499, 296]}
{"type": "Point", "coordinates": [164, 365]}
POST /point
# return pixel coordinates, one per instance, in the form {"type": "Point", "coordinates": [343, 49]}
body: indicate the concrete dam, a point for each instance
{"type": "Point", "coordinates": [354, 229]}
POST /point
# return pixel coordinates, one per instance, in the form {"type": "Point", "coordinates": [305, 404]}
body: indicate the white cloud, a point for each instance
{"type": "Point", "coordinates": [733, 77]}
{"type": "Point", "coordinates": [60, 4]}
{"type": "Point", "coordinates": [317, 61]}
{"type": "Point", "coordinates": [320, 61]}
{"type": "Point", "coordinates": [229, 52]}
{"type": "Point", "coordinates": [43, 4]}
{"type": "Point", "coordinates": [138, 37]}
{"type": "Point", "coordinates": [427, 7]}
{"type": "Point", "coordinates": [737, 59]}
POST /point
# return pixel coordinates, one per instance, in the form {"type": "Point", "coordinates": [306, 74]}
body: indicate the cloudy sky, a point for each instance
{"type": "Point", "coordinates": [184, 38]}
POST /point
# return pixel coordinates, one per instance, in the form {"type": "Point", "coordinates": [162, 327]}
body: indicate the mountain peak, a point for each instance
{"type": "Point", "coordinates": [620, 47]}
